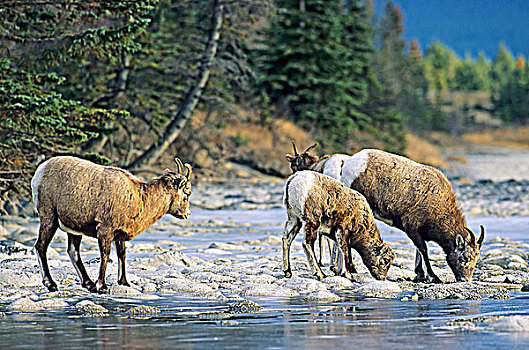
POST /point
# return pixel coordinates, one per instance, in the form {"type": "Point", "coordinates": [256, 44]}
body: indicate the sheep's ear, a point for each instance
{"type": "Point", "coordinates": [290, 158]}
{"type": "Point", "coordinates": [460, 242]}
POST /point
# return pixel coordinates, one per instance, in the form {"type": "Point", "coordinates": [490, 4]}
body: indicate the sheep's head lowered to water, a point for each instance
{"type": "Point", "coordinates": [463, 257]}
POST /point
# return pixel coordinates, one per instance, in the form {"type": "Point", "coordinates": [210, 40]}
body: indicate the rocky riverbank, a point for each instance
{"type": "Point", "coordinates": [249, 265]}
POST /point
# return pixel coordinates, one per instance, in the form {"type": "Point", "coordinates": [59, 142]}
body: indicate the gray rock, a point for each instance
{"type": "Point", "coordinates": [90, 308]}
{"type": "Point", "coordinates": [245, 306]}
{"type": "Point", "coordinates": [260, 289]}
{"type": "Point", "coordinates": [379, 289]}
{"type": "Point", "coordinates": [142, 310]}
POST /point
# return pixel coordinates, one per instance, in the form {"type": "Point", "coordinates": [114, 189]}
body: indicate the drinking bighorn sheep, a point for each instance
{"type": "Point", "coordinates": [320, 201]}
{"type": "Point", "coordinates": [107, 203]}
{"type": "Point", "coordinates": [412, 197]}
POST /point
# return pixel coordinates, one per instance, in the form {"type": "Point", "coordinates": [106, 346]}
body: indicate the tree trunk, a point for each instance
{"type": "Point", "coordinates": [193, 96]}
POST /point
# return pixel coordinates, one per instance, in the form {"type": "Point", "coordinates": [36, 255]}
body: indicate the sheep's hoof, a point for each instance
{"type": "Point", "coordinates": [288, 274]}
{"type": "Point", "coordinates": [434, 279]}
{"type": "Point", "coordinates": [420, 279]}
{"type": "Point", "coordinates": [52, 288]}
{"type": "Point", "coordinates": [320, 277]}
{"type": "Point", "coordinates": [91, 286]}
{"type": "Point", "coordinates": [124, 283]}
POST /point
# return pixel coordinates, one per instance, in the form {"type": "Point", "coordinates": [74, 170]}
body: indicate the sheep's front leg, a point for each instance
{"type": "Point", "coordinates": [423, 253]}
{"type": "Point", "coordinates": [74, 242]}
{"type": "Point", "coordinates": [292, 227]}
{"type": "Point", "coordinates": [121, 252]}
{"type": "Point", "coordinates": [311, 233]}
{"type": "Point", "coordinates": [105, 242]}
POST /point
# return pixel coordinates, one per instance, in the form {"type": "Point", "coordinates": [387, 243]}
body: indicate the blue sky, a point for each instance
{"type": "Point", "coordinates": [467, 26]}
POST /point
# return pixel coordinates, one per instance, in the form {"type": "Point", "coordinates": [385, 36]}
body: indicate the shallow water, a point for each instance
{"type": "Point", "coordinates": [282, 322]}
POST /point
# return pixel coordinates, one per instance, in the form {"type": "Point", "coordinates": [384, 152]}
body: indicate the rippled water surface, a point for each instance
{"type": "Point", "coordinates": [282, 322]}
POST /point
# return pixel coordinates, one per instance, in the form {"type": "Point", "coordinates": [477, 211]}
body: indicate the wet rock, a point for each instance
{"type": "Point", "coordinates": [24, 305]}
{"type": "Point", "coordinates": [228, 246]}
{"type": "Point", "coordinates": [260, 289]}
{"type": "Point", "coordinates": [245, 306]}
{"type": "Point", "coordinates": [264, 278]}
{"type": "Point", "coordinates": [90, 308]}
{"type": "Point", "coordinates": [149, 287]}
{"type": "Point", "coordinates": [145, 247]}
{"type": "Point", "coordinates": [173, 257]}
{"type": "Point", "coordinates": [322, 295]}
{"type": "Point", "coordinates": [338, 282]}
{"type": "Point", "coordinates": [304, 284]}
{"type": "Point", "coordinates": [141, 310]}
{"type": "Point", "coordinates": [379, 289]}
{"type": "Point", "coordinates": [10, 247]}
{"type": "Point", "coordinates": [52, 303]}
{"type": "Point", "coordinates": [216, 251]}
{"type": "Point", "coordinates": [123, 290]}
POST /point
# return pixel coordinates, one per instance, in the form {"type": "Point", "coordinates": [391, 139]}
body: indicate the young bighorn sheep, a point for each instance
{"type": "Point", "coordinates": [414, 198]}
{"type": "Point", "coordinates": [107, 203]}
{"type": "Point", "coordinates": [330, 165]}
{"type": "Point", "coordinates": [320, 201]}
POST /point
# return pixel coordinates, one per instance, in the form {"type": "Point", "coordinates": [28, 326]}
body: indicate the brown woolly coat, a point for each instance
{"type": "Point", "coordinates": [87, 196]}
{"type": "Point", "coordinates": [415, 197]}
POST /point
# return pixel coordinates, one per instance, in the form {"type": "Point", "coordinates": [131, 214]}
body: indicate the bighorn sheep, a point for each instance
{"type": "Point", "coordinates": [107, 203]}
{"type": "Point", "coordinates": [412, 197]}
{"type": "Point", "coordinates": [320, 201]}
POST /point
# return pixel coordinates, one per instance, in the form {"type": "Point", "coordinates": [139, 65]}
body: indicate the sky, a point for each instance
{"type": "Point", "coordinates": [467, 26]}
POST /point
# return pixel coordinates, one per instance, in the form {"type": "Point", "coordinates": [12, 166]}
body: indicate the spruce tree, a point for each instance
{"type": "Point", "coordinates": [310, 68]}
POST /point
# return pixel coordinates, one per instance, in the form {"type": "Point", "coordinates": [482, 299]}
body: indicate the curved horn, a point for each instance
{"type": "Point", "coordinates": [189, 171]}
{"type": "Point", "coordinates": [482, 236]}
{"type": "Point", "coordinates": [311, 147]}
{"type": "Point", "coordinates": [294, 146]}
{"type": "Point", "coordinates": [179, 165]}
{"type": "Point", "coordinates": [472, 236]}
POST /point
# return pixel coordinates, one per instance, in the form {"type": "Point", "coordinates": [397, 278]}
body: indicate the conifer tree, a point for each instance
{"type": "Point", "coordinates": [312, 62]}
{"type": "Point", "coordinates": [39, 117]}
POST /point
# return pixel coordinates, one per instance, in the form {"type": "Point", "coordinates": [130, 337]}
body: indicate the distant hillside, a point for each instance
{"type": "Point", "coordinates": [467, 26]}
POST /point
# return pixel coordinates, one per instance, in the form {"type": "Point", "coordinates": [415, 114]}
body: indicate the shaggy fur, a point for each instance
{"type": "Point", "coordinates": [417, 199]}
{"type": "Point", "coordinates": [320, 201]}
{"type": "Point", "coordinates": [107, 203]}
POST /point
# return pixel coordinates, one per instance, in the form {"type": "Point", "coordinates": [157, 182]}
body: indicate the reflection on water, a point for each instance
{"type": "Point", "coordinates": [283, 322]}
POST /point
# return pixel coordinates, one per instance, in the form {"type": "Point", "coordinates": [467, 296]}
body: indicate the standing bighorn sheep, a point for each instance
{"type": "Point", "coordinates": [412, 197]}
{"type": "Point", "coordinates": [107, 203]}
{"type": "Point", "coordinates": [320, 201]}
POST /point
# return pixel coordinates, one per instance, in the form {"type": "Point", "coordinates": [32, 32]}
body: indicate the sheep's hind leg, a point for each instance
{"type": "Point", "coordinates": [292, 227]}
{"type": "Point", "coordinates": [311, 233]}
{"type": "Point", "coordinates": [48, 226]}
{"type": "Point", "coordinates": [347, 256]}
{"type": "Point", "coordinates": [74, 242]}
{"type": "Point", "coordinates": [105, 244]}
{"type": "Point", "coordinates": [122, 253]}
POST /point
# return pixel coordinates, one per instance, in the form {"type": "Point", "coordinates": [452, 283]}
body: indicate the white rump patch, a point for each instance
{"type": "Point", "coordinates": [299, 188]}
{"type": "Point", "coordinates": [334, 164]}
{"type": "Point", "coordinates": [354, 166]}
{"type": "Point", "coordinates": [68, 230]}
{"type": "Point", "coordinates": [35, 182]}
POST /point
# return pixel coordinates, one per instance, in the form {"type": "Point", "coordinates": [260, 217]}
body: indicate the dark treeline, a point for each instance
{"type": "Point", "coordinates": [117, 81]}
